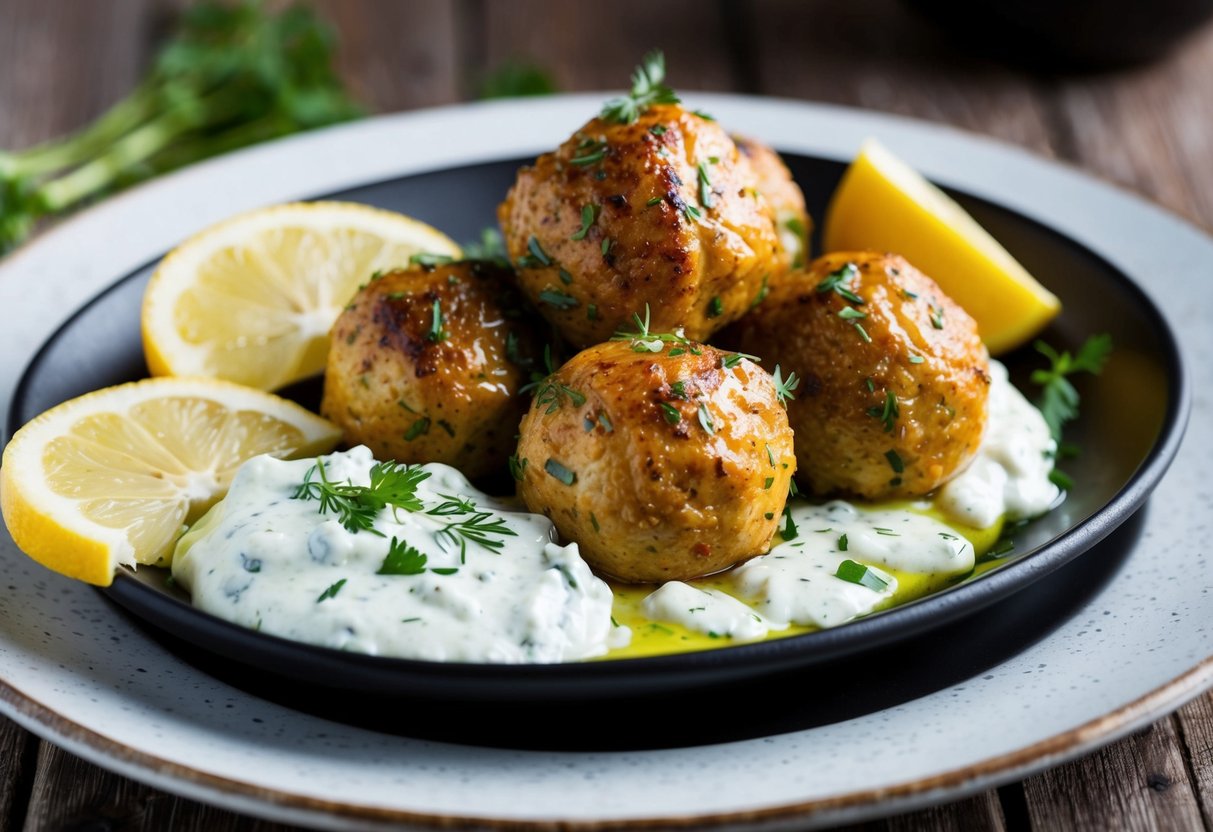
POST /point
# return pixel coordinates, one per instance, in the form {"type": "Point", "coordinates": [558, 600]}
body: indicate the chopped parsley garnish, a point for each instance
{"type": "Point", "coordinates": [558, 299]}
{"type": "Point", "coordinates": [1061, 479]}
{"type": "Point", "coordinates": [715, 307]}
{"type": "Point", "coordinates": [589, 152]}
{"type": "Point", "coordinates": [895, 461]}
{"type": "Point", "coordinates": [837, 282]}
{"type": "Point", "coordinates": [767, 483]}
{"type": "Point", "coordinates": [789, 530]}
{"type": "Point", "coordinates": [436, 333]}
{"type": "Point", "coordinates": [589, 213]}
{"type": "Point", "coordinates": [1058, 400]}
{"type": "Point", "coordinates": [936, 316]}
{"type": "Point", "coordinates": [332, 591]}
{"type": "Point", "coordinates": [702, 115]}
{"type": "Point", "coordinates": [679, 390]}
{"type": "Point", "coordinates": [705, 186]}
{"type": "Point", "coordinates": [517, 466]}
{"type": "Point", "coordinates": [857, 573]}
{"type": "Point", "coordinates": [564, 276]}
{"type": "Point", "coordinates": [419, 428]}
{"type": "Point", "coordinates": [402, 559]}
{"type": "Point", "coordinates": [653, 201]}
{"type": "Point", "coordinates": [607, 242]}
{"type": "Point", "coordinates": [705, 419]}
{"type": "Point", "coordinates": [888, 413]}
{"type": "Point", "coordinates": [671, 413]}
{"type": "Point", "coordinates": [648, 89]}
{"type": "Point", "coordinates": [537, 256]}
{"type": "Point", "coordinates": [560, 472]}
{"type": "Point", "coordinates": [843, 545]}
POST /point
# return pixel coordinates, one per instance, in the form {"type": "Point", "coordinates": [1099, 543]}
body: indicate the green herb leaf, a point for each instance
{"type": "Point", "coordinates": [557, 470]}
{"type": "Point", "coordinates": [784, 388]}
{"type": "Point", "coordinates": [671, 413]}
{"type": "Point", "coordinates": [589, 213]}
{"type": "Point", "coordinates": [1058, 401]}
{"type": "Point", "coordinates": [857, 573]}
{"type": "Point", "coordinates": [402, 559]}
{"type": "Point", "coordinates": [648, 89]}
{"type": "Point", "coordinates": [332, 591]}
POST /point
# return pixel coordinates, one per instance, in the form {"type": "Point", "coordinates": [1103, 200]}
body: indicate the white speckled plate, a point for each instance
{"type": "Point", "coordinates": [74, 670]}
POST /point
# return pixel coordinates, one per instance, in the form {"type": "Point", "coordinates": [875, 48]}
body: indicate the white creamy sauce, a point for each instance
{"type": "Point", "coordinates": [797, 581]}
{"type": "Point", "coordinates": [271, 561]}
{"type": "Point", "coordinates": [708, 611]}
{"type": "Point", "coordinates": [1010, 474]}
{"type": "Point", "coordinates": [267, 559]}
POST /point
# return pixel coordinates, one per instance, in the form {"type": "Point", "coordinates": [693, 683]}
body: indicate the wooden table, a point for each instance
{"type": "Point", "coordinates": [1148, 129]}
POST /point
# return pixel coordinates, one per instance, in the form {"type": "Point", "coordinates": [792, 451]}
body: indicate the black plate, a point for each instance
{"type": "Point", "coordinates": [1133, 419]}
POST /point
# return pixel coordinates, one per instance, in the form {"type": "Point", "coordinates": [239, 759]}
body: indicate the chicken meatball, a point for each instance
{"type": "Point", "coordinates": [663, 459]}
{"type": "Point", "coordinates": [426, 366]}
{"type": "Point", "coordinates": [664, 211]}
{"type": "Point", "coordinates": [894, 377]}
{"type": "Point", "coordinates": [776, 185]}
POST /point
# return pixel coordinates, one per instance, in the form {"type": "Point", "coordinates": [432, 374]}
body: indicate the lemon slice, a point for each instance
{"type": "Point", "coordinates": [109, 479]}
{"type": "Point", "coordinates": [252, 299]}
{"type": "Point", "coordinates": [883, 204]}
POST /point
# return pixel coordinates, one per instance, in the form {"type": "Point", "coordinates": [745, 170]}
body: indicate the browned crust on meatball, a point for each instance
{"type": "Point", "coordinates": [661, 466]}
{"type": "Point", "coordinates": [418, 390]}
{"type": "Point", "coordinates": [776, 185]}
{"type": "Point", "coordinates": [894, 378]}
{"type": "Point", "coordinates": [678, 224]}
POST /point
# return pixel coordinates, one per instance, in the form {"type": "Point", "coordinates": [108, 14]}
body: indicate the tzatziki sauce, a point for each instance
{"type": "Point", "coordinates": [1009, 477]}
{"type": "Point", "coordinates": [459, 577]}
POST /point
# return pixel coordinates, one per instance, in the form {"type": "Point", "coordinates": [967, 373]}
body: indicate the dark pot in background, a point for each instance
{"type": "Point", "coordinates": [1067, 34]}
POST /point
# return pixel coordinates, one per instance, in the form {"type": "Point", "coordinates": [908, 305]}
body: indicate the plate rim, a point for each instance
{"type": "Point", "coordinates": [1084, 737]}
{"type": "Point", "coordinates": [919, 616]}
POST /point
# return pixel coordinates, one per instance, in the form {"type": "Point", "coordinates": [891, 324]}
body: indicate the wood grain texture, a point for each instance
{"type": "Point", "coordinates": [69, 793]}
{"type": "Point", "coordinates": [1195, 724]}
{"type": "Point", "coordinates": [18, 750]}
{"type": "Point", "coordinates": [397, 56]}
{"type": "Point", "coordinates": [1149, 129]}
{"type": "Point", "coordinates": [66, 62]}
{"type": "Point", "coordinates": [844, 53]}
{"type": "Point", "coordinates": [595, 46]}
{"type": "Point", "coordinates": [1138, 783]}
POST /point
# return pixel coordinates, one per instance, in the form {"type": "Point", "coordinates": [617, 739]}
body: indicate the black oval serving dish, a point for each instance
{"type": "Point", "coordinates": [1132, 422]}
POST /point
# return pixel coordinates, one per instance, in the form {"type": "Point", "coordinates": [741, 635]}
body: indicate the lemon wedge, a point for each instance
{"type": "Point", "coordinates": [883, 204]}
{"type": "Point", "coordinates": [252, 299]}
{"type": "Point", "coordinates": [110, 478]}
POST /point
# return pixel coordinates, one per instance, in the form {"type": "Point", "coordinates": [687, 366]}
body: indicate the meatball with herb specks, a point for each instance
{"type": "Point", "coordinates": [777, 187]}
{"type": "Point", "coordinates": [663, 459]}
{"type": "Point", "coordinates": [894, 376]}
{"type": "Point", "coordinates": [663, 211]}
{"type": "Point", "coordinates": [427, 365]}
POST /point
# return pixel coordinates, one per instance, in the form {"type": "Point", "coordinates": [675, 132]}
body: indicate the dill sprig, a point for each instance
{"type": "Point", "coordinates": [784, 387]}
{"type": "Point", "coordinates": [549, 392]}
{"type": "Point", "coordinates": [648, 89]}
{"type": "Point", "coordinates": [357, 506]}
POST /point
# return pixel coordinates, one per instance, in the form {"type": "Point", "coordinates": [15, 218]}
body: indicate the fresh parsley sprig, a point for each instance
{"type": "Point", "coordinates": [1058, 401]}
{"type": "Point", "coordinates": [648, 89]}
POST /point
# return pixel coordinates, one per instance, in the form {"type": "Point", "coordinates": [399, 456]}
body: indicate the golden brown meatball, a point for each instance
{"type": "Point", "coordinates": [664, 211]}
{"type": "Point", "coordinates": [426, 366]}
{"type": "Point", "coordinates": [776, 185]}
{"type": "Point", "coordinates": [892, 401]}
{"type": "Point", "coordinates": [662, 465]}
